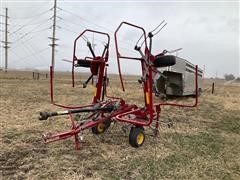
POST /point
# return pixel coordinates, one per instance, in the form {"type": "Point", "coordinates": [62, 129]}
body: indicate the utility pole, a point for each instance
{"type": "Point", "coordinates": [6, 40]}
{"type": "Point", "coordinates": [53, 35]}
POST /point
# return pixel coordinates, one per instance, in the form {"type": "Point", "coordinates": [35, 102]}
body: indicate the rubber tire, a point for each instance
{"type": "Point", "coordinates": [164, 61]}
{"type": "Point", "coordinates": [106, 126]}
{"type": "Point", "coordinates": [135, 131]}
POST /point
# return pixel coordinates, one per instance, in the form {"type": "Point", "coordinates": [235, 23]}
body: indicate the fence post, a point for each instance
{"type": "Point", "coordinates": [212, 87]}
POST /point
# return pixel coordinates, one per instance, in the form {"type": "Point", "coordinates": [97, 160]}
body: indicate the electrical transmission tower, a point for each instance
{"type": "Point", "coordinates": [53, 38]}
{"type": "Point", "coordinates": [6, 43]}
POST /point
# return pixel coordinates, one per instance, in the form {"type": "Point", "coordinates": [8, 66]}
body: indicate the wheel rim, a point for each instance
{"type": "Point", "coordinates": [100, 127]}
{"type": "Point", "coordinates": [140, 138]}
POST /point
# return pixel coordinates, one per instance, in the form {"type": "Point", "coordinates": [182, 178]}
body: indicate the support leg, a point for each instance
{"type": "Point", "coordinates": [156, 132]}
{"type": "Point", "coordinates": [77, 142]}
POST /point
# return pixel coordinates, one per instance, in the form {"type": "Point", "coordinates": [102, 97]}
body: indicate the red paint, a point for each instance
{"type": "Point", "coordinates": [128, 113]}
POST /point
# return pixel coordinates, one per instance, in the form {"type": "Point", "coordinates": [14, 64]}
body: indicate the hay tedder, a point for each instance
{"type": "Point", "coordinates": [105, 109]}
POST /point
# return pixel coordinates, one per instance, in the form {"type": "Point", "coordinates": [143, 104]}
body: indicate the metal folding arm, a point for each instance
{"type": "Point", "coordinates": [142, 116]}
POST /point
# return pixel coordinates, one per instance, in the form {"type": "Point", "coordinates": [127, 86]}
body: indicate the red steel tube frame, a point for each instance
{"type": "Point", "coordinates": [157, 106]}
{"type": "Point", "coordinates": [125, 57]}
{"type": "Point", "coordinates": [52, 95]}
{"type": "Point", "coordinates": [147, 85]}
{"type": "Point", "coordinates": [51, 73]}
{"type": "Point", "coordinates": [74, 50]}
{"type": "Point", "coordinates": [184, 105]}
{"type": "Point", "coordinates": [106, 92]}
{"type": "Point", "coordinates": [77, 128]}
{"type": "Point", "coordinates": [124, 109]}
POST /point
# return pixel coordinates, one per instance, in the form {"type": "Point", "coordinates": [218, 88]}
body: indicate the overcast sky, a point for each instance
{"type": "Point", "coordinates": [207, 31]}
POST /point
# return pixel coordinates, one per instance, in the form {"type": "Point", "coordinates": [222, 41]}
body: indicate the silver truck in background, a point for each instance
{"type": "Point", "coordinates": [178, 80]}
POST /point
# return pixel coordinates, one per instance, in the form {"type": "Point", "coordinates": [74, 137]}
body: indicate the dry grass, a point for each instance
{"type": "Point", "coordinates": [202, 144]}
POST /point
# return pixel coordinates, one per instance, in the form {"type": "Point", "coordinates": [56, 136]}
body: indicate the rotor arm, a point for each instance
{"type": "Point", "coordinates": [89, 45]}
{"type": "Point", "coordinates": [87, 81]}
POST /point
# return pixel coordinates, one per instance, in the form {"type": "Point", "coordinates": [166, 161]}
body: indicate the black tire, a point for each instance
{"type": "Point", "coordinates": [101, 127]}
{"type": "Point", "coordinates": [164, 61]}
{"type": "Point", "coordinates": [136, 137]}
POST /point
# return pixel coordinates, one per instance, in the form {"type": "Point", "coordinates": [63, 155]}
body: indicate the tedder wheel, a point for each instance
{"type": "Point", "coordinates": [101, 127]}
{"type": "Point", "coordinates": [136, 137]}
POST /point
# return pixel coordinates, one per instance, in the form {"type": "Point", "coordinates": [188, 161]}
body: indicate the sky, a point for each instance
{"type": "Point", "coordinates": [207, 32]}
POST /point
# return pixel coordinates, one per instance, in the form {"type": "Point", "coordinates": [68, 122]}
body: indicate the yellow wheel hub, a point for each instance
{"type": "Point", "coordinates": [140, 138]}
{"type": "Point", "coordinates": [100, 127]}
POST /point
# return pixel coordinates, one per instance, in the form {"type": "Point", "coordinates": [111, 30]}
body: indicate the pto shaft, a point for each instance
{"type": "Point", "coordinates": [45, 115]}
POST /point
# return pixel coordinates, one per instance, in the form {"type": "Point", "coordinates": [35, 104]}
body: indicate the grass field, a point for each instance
{"type": "Point", "coordinates": [204, 142]}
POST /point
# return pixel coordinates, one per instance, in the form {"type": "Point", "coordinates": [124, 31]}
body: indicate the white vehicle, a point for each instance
{"type": "Point", "coordinates": [178, 80]}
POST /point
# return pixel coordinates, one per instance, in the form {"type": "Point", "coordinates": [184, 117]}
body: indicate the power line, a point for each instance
{"type": "Point", "coordinates": [20, 59]}
{"type": "Point", "coordinates": [128, 42]}
{"type": "Point", "coordinates": [36, 50]}
{"type": "Point", "coordinates": [28, 23]}
{"type": "Point", "coordinates": [40, 32]}
{"type": "Point", "coordinates": [40, 22]}
{"type": "Point", "coordinates": [76, 24]}
{"type": "Point", "coordinates": [29, 32]}
{"type": "Point", "coordinates": [32, 51]}
{"type": "Point", "coordinates": [27, 48]}
{"type": "Point", "coordinates": [30, 17]}
{"type": "Point", "coordinates": [42, 5]}
{"type": "Point", "coordinates": [13, 26]}
{"type": "Point", "coordinates": [30, 55]}
{"type": "Point", "coordinates": [86, 37]}
{"type": "Point", "coordinates": [54, 26]}
{"type": "Point", "coordinates": [88, 21]}
{"type": "Point", "coordinates": [35, 33]}
{"type": "Point", "coordinates": [66, 29]}
{"type": "Point", "coordinates": [102, 27]}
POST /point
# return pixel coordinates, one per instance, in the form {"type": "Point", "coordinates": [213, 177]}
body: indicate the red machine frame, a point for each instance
{"type": "Point", "coordinates": [114, 108]}
{"type": "Point", "coordinates": [147, 87]}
